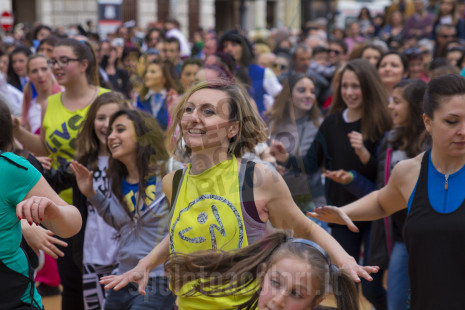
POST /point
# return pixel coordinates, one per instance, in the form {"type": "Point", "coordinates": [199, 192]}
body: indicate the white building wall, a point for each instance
{"type": "Point", "coordinates": [207, 14]}
{"type": "Point", "coordinates": [146, 12]}
{"type": "Point", "coordinates": [66, 12]}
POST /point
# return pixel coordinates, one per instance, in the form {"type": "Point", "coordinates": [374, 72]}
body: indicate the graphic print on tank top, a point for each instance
{"type": "Point", "coordinates": [208, 212]}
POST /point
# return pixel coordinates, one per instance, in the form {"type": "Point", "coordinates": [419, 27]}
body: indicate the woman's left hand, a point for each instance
{"type": "Point", "coordinates": [356, 141]}
{"type": "Point", "coordinates": [36, 209]}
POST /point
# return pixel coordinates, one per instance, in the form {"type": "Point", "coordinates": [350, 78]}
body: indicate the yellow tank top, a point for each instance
{"type": "Point", "coordinates": [61, 127]}
{"type": "Point", "coordinates": [208, 215]}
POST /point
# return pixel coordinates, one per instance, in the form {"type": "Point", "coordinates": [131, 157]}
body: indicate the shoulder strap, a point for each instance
{"type": "Point", "coordinates": [176, 182]}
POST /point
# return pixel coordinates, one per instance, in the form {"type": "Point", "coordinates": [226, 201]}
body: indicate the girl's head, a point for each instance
{"type": "Point", "coordinates": [372, 53]}
{"type": "Point", "coordinates": [454, 55]}
{"type": "Point", "coordinates": [297, 98]}
{"type": "Point", "coordinates": [299, 275]}
{"type": "Point", "coordinates": [39, 72]}
{"type": "Point", "coordinates": [396, 18]}
{"type": "Point", "coordinates": [214, 72]}
{"type": "Point", "coordinates": [157, 76]}
{"type": "Point", "coordinates": [392, 67]}
{"type": "Point", "coordinates": [415, 66]}
{"type": "Point", "coordinates": [407, 103]}
{"type": "Point", "coordinates": [91, 140]}
{"type": "Point", "coordinates": [444, 118]}
{"type": "Point", "coordinates": [360, 90]}
{"type": "Point", "coordinates": [7, 141]}
{"type": "Point", "coordinates": [219, 111]}
{"type": "Point", "coordinates": [189, 69]}
{"type": "Point", "coordinates": [406, 109]}
{"type": "Point", "coordinates": [447, 7]}
{"type": "Point", "coordinates": [293, 274]}
{"type": "Point", "coordinates": [47, 45]}
{"type": "Point", "coordinates": [134, 137]}
{"type": "Point", "coordinates": [17, 64]}
{"type": "Point", "coordinates": [238, 46]}
{"type": "Point", "coordinates": [41, 32]}
{"type": "Point", "coordinates": [73, 59]}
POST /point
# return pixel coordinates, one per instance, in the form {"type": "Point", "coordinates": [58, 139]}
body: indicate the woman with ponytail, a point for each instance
{"type": "Point", "coordinates": [292, 274]}
{"type": "Point", "coordinates": [74, 66]}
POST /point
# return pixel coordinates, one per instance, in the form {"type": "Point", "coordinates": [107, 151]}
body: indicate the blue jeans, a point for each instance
{"type": "Point", "coordinates": [158, 297]}
{"type": "Point", "coordinates": [352, 243]}
{"type": "Point", "coordinates": [398, 280]}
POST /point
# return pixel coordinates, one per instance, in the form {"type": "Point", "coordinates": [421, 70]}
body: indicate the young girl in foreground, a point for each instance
{"type": "Point", "coordinates": [293, 274]}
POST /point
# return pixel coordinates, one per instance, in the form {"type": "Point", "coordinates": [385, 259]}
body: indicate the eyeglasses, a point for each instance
{"type": "Point", "coordinates": [412, 51]}
{"type": "Point", "coordinates": [334, 51]}
{"type": "Point", "coordinates": [62, 61]}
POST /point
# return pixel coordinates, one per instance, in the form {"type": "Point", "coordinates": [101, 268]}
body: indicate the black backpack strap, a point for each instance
{"type": "Point", "coordinates": [177, 179]}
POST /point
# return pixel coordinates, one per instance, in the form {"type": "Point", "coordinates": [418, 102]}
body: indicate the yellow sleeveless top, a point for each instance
{"type": "Point", "coordinates": [61, 127]}
{"type": "Point", "coordinates": [208, 215]}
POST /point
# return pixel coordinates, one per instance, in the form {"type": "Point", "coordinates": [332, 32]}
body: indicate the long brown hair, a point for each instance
{"type": "Point", "coordinates": [282, 106]}
{"type": "Point", "coordinates": [219, 273]}
{"type": "Point", "coordinates": [87, 143]}
{"type": "Point", "coordinates": [252, 129]}
{"type": "Point", "coordinates": [375, 116]}
{"type": "Point", "coordinates": [411, 138]}
{"type": "Point", "coordinates": [151, 155]}
{"type": "Point", "coordinates": [166, 69]}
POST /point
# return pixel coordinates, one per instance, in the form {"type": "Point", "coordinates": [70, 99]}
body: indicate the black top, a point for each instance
{"type": "Point", "coordinates": [331, 149]}
{"type": "Point", "coordinates": [436, 247]}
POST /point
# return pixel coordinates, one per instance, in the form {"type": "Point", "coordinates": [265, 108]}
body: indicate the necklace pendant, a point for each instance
{"type": "Point", "coordinates": [446, 184]}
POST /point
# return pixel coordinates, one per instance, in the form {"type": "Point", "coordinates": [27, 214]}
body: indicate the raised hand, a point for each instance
{"type": "Point", "coordinates": [278, 150]}
{"type": "Point", "coordinates": [356, 141]}
{"type": "Point", "coordinates": [138, 274]}
{"type": "Point", "coordinates": [355, 271]}
{"type": "Point", "coordinates": [84, 179]}
{"type": "Point", "coordinates": [332, 214]}
{"type": "Point", "coordinates": [45, 161]}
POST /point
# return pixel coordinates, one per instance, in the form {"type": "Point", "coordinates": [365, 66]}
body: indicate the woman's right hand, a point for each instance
{"type": "Point", "coordinates": [331, 214]}
{"type": "Point", "coordinates": [138, 274]}
{"type": "Point", "coordinates": [84, 179]}
{"type": "Point", "coordinates": [279, 152]}
{"type": "Point", "coordinates": [339, 176]}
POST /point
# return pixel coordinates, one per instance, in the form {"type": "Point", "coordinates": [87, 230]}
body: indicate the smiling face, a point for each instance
{"type": "Point", "coordinates": [287, 285]}
{"type": "Point", "coordinates": [415, 68]}
{"type": "Point", "coordinates": [447, 127]}
{"type": "Point", "coordinates": [399, 107]}
{"type": "Point", "coordinates": [205, 122]}
{"type": "Point", "coordinates": [102, 120]}
{"type": "Point", "coordinates": [67, 73]}
{"type": "Point", "coordinates": [188, 75]}
{"type": "Point", "coordinates": [303, 97]}
{"type": "Point", "coordinates": [351, 91]}
{"type": "Point", "coordinates": [154, 78]}
{"type": "Point", "coordinates": [19, 61]}
{"type": "Point", "coordinates": [391, 70]}
{"type": "Point", "coordinates": [122, 141]}
{"type": "Point", "coordinates": [40, 74]}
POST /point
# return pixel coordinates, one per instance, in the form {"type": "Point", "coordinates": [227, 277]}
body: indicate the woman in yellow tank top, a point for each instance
{"type": "Point", "coordinates": [75, 67]}
{"type": "Point", "coordinates": [218, 124]}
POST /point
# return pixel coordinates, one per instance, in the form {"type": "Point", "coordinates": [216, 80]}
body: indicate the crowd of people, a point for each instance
{"type": "Point", "coordinates": [158, 173]}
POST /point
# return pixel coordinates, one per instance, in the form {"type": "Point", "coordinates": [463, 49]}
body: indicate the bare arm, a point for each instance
{"type": "Point", "coordinates": [31, 142]}
{"type": "Point", "coordinates": [43, 205]}
{"type": "Point", "coordinates": [284, 214]}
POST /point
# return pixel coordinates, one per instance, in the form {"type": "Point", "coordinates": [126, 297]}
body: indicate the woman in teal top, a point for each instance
{"type": "Point", "coordinates": [24, 194]}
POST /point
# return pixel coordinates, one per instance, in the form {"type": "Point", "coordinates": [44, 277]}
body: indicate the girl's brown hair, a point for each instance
{"type": "Point", "coordinates": [252, 129]}
{"type": "Point", "coordinates": [84, 51]}
{"type": "Point", "coordinates": [170, 82]}
{"type": "Point", "coordinates": [375, 116]}
{"type": "Point", "coordinates": [282, 108]}
{"type": "Point", "coordinates": [219, 273]}
{"type": "Point", "coordinates": [411, 137]}
{"type": "Point", "coordinates": [151, 155]}
{"type": "Point", "coordinates": [87, 143]}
